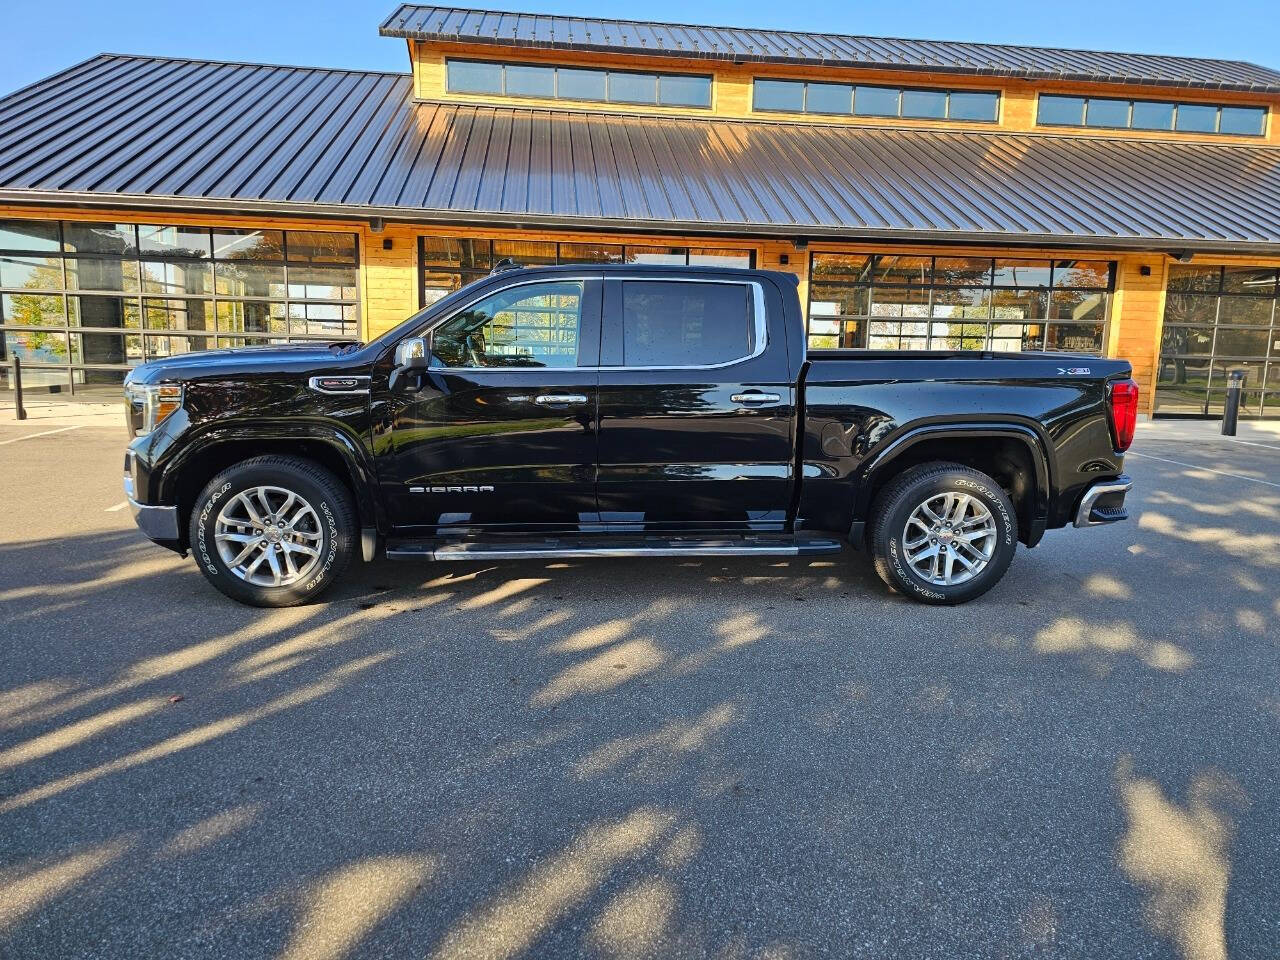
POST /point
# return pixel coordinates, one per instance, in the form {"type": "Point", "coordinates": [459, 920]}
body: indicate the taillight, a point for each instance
{"type": "Point", "coordinates": [1123, 395]}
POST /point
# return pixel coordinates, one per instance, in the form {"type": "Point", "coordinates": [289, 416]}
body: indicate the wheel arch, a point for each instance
{"type": "Point", "coordinates": [1015, 455]}
{"type": "Point", "coordinates": [202, 459]}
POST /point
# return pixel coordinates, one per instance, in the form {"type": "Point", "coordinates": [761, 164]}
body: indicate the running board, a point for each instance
{"type": "Point", "coordinates": [590, 547]}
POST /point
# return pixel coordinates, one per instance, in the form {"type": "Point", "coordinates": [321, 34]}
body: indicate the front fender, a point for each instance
{"type": "Point", "coordinates": [283, 437]}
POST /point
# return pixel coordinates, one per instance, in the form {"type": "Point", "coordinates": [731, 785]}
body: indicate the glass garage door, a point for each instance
{"type": "Point", "coordinates": [897, 302]}
{"type": "Point", "coordinates": [81, 303]}
{"type": "Point", "coordinates": [1216, 320]}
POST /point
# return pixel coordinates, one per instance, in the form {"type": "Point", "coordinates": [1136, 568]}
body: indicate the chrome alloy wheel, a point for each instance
{"type": "Point", "coordinates": [949, 539]}
{"type": "Point", "coordinates": [269, 536]}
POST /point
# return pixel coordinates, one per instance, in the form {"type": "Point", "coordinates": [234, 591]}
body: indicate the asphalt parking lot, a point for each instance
{"type": "Point", "coordinates": [627, 759]}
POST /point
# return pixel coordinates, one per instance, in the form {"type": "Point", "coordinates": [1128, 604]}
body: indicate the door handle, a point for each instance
{"type": "Point", "coordinates": [756, 399]}
{"type": "Point", "coordinates": [558, 399]}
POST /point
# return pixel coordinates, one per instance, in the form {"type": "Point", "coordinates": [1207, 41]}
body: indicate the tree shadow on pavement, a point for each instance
{"type": "Point", "coordinates": [628, 759]}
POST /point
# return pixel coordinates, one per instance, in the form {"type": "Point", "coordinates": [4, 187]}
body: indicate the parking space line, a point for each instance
{"type": "Point", "coordinates": [1146, 438]}
{"type": "Point", "coordinates": [1251, 443]}
{"type": "Point", "coordinates": [43, 433]}
{"type": "Point", "coordinates": [1194, 466]}
{"type": "Point", "coordinates": [119, 506]}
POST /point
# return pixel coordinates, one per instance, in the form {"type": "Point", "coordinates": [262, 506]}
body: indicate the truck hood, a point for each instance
{"type": "Point", "coordinates": [239, 361]}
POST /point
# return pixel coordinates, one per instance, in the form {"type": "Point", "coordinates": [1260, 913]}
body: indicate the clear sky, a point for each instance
{"type": "Point", "coordinates": [39, 37]}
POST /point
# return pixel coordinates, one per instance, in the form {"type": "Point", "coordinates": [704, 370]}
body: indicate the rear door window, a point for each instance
{"type": "Point", "coordinates": [686, 324]}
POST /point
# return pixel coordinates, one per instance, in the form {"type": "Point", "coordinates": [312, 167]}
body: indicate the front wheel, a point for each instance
{"type": "Point", "coordinates": [943, 533]}
{"type": "Point", "coordinates": [273, 531]}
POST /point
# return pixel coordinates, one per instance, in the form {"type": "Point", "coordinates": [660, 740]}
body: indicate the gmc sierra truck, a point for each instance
{"type": "Point", "coordinates": [612, 411]}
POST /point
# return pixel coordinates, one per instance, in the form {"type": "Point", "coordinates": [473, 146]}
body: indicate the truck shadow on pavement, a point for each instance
{"type": "Point", "coordinates": [629, 759]}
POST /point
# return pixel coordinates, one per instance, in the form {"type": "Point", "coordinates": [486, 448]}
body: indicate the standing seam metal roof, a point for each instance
{"type": "Point", "coordinates": [193, 135]}
{"type": "Point", "coordinates": [739, 44]}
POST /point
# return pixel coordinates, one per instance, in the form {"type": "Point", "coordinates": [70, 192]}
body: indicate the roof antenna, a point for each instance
{"type": "Point", "coordinates": [505, 264]}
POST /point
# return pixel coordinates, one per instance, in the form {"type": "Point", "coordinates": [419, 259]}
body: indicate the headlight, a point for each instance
{"type": "Point", "coordinates": [149, 404]}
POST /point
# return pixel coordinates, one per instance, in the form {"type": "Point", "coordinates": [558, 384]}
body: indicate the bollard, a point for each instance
{"type": "Point", "coordinates": [19, 411]}
{"type": "Point", "coordinates": [1231, 412]}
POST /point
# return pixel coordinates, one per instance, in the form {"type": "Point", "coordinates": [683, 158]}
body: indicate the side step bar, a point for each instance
{"type": "Point", "coordinates": [590, 547]}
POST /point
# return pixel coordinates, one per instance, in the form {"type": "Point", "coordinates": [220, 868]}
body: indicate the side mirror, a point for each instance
{"type": "Point", "coordinates": [411, 361]}
{"type": "Point", "coordinates": [411, 354]}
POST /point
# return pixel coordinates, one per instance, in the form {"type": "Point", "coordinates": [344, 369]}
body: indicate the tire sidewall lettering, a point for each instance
{"type": "Point", "coordinates": [202, 545]}
{"type": "Point", "coordinates": [909, 579]}
{"type": "Point", "coordinates": [994, 503]}
{"type": "Point", "coordinates": [332, 555]}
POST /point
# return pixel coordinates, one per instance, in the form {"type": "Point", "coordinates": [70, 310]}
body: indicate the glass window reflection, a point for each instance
{"type": "Point", "coordinates": [171, 241]}
{"type": "Point", "coordinates": [1151, 115]}
{"type": "Point", "coordinates": [135, 292]}
{"type": "Point", "coordinates": [971, 303]}
{"type": "Point", "coordinates": [876, 101]}
{"type": "Point", "coordinates": [237, 244]}
{"type": "Point", "coordinates": [829, 98]}
{"type": "Point", "coordinates": [34, 236]}
{"type": "Point", "coordinates": [1107, 113]}
{"type": "Point", "coordinates": [116, 238]}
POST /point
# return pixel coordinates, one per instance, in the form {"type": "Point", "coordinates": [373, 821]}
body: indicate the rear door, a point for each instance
{"type": "Point", "coordinates": [503, 432]}
{"type": "Point", "coordinates": [697, 406]}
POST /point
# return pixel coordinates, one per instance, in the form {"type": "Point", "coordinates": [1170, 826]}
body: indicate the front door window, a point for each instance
{"type": "Point", "coordinates": [531, 325]}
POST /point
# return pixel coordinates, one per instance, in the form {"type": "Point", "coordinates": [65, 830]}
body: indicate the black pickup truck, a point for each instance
{"type": "Point", "coordinates": [619, 411]}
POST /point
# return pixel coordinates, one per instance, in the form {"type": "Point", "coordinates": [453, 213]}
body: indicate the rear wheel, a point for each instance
{"type": "Point", "coordinates": [943, 533]}
{"type": "Point", "coordinates": [273, 531]}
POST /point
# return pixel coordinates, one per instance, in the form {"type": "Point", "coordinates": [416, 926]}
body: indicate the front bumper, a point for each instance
{"type": "Point", "coordinates": [158, 523]}
{"type": "Point", "coordinates": [1104, 502]}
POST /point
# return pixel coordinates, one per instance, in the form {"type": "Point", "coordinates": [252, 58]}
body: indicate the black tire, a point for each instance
{"type": "Point", "coordinates": [917, 486]}
{"type": "Point", "coordinates": [334, 526]}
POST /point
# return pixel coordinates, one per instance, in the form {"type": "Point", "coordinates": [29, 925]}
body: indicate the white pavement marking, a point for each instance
{"type": "Point", "coordinates": [119, 506]}
{"type": "Point", "coordinates": [1251, 443]}
{"type": "Point", "coordinates": [44, 433]}
{"type": "Point", "coordinates": [1195, 466]}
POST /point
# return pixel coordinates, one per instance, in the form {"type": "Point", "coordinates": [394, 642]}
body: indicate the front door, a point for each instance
{"type": "Point", "coordinates": [696, 406]}
{"type": "Point", "coordinates": [502, 435]}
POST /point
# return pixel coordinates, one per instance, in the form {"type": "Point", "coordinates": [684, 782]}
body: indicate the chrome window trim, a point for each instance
{"type": "Point", "coordinates": [758, 314]}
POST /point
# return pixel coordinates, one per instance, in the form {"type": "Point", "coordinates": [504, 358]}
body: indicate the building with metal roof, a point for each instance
{"type": "Point", "coordinates": [927, 194]}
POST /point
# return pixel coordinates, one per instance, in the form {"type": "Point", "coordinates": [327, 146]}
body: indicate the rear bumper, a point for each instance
{"type": "Point", "coordinates": [1103, 502]}
{"type": "Point", "coordinates": [158, 523]}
